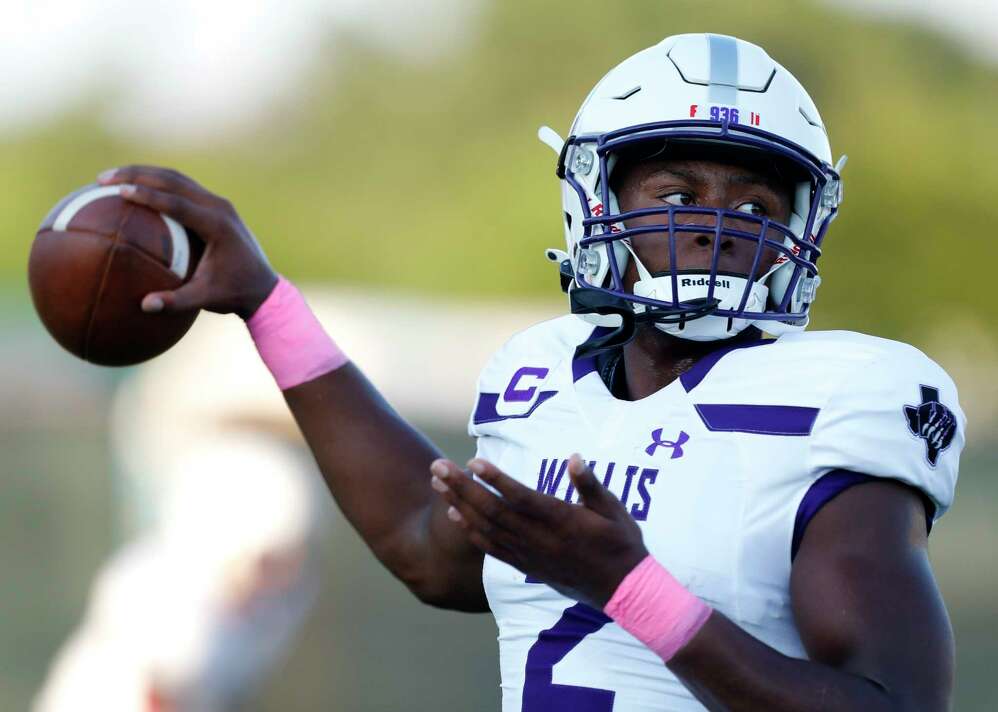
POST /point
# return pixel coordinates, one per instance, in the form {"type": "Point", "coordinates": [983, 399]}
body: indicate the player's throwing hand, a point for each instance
{"type": "Point", "coordinates": [233, 275]}
{"type": "Point", "coordinates": [583, 552]}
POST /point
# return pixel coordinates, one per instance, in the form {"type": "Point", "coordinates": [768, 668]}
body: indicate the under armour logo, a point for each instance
{"type": "Point", "coordinates": [932, 422]}
{"type": "Point", "coordinates": [676, 445]}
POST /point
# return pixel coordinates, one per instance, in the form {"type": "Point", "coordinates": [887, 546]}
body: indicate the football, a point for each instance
{"type": "Point", "coordinates": [94, 258]}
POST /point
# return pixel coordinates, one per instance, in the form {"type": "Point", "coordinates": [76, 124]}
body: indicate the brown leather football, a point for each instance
{"type": "Point", "coordinates": [94, 258]}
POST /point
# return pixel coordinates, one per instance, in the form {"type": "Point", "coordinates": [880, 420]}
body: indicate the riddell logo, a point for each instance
{"type": "Point", "coordinates": [703, 282]}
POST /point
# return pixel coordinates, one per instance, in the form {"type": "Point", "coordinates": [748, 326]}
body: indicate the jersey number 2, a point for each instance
{"type": "Point", "coordinates": [540, 694]}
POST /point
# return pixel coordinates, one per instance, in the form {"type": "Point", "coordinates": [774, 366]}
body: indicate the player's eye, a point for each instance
{"type": "Point", "coordinates": [677, 198]}
{"type": "Point", "coordinates": [753, 208]}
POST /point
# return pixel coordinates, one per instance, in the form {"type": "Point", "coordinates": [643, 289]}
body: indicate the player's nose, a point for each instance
{"type": "Point", "coordinates": [736, 243]}
{"type": "Point", "coordinates": [697, 247]}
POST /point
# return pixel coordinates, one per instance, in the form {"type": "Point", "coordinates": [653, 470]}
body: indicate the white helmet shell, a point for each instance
{"type": "Point", "coordinates": [698, 88]}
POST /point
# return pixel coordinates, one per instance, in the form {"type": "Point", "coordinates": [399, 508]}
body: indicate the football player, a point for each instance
{"type": "Point", "coordinates": [191, 614]}
{"type": "Point", "coordinates": [748, 527]}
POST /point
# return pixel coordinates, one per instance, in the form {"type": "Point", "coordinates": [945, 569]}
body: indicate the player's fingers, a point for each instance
{"type": "Point", "coordinates": [520, 498]}
{"type": "Point", "coordinates": [594, 495]}
{"type": "Point", "coordinates": [492, 540]}
{"type": "Point", "coordinates": [442, 468]}
{"type": "Point", "coordinates": [491, 547]}
{"type": "Point", "coordinates": [472, 520]}
{"type": "Point", "coordinates": [449, 482]}
{"type": "Point", "coordinates": [164, 179]}
{"type": "Point", "coordinates": [186, 298]}
{"type": "Point", "coordinates": [159, 178]}
{"type": "Point", "coordinates": [463, 514]}
{"type": "Point", "coordinates": [188, 213]}
{"type": "Point", "coordinates": [483, 508]}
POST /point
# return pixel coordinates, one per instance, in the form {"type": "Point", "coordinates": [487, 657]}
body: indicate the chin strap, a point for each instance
{"type": "Point", "coordinates": [592, 301]}
{"type": "Point", "coordinates": [661, 315]}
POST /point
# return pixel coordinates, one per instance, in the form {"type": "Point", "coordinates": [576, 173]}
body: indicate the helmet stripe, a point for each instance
{"type": "Point", "coordinates": [723, 87]}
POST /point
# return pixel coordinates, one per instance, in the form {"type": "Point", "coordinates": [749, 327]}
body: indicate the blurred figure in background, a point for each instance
{"type": "Point", "coordinates": [189, 616]}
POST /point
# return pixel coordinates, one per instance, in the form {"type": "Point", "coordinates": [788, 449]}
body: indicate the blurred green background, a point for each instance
{"type": "Point", "coordinates": [403, 174]}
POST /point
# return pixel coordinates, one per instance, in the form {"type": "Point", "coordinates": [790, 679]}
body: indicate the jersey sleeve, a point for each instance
{"type": "Point", "coordinates": [489, 447]}
{"type": "Point", "coordinates": [518, 378]}
{"type": "Point", "coordinates": [484, 421]}
{"type": "Point", "coordinates": [487, 383]}
{"type": "Point", "coordinates": [897, 417]}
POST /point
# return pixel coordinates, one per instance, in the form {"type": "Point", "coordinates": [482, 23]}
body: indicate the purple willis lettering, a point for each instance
{"type": "Point", "coordinates": [628, 482]}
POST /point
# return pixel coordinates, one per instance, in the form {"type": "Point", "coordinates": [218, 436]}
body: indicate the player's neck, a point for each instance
{"type": "Point", "coordinates": [654, 359]}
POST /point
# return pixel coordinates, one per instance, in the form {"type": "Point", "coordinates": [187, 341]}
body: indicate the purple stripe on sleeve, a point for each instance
{"type": "Point", "coordinates": [485, 409]}
{"type": "Point", "coordinates": [826, 488]}
{"type": "Point", "coordinates": [757, 419]}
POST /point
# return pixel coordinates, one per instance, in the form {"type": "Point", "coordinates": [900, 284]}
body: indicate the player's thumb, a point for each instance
{"type": "Point", "coordinates": [594, 495]}
{"type": "Point", "coordinates": [185, 298]}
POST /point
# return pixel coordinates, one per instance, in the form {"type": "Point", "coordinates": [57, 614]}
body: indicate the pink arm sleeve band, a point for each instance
{"type": "Point", "coordinates": [290, 340]}
{"type": "Point", "coordinates": [656, 609]}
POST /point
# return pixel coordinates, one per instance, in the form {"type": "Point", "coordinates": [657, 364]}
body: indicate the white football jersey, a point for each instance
{"type": "Point", "coordinates": [721, 469]}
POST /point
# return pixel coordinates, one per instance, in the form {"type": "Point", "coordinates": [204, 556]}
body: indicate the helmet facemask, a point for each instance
{"type": "Point", "coordinates": [709, 302]}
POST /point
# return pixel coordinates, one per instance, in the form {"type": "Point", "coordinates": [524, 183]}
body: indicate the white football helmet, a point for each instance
{"type": "Point", "coordinates": [695, 89]}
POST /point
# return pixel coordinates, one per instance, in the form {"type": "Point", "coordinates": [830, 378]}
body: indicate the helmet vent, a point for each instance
{"type": "Point", "coordinates": [628, 94]}
{"type": "Point", "coordinates": [813, 122]}
{"type": "Point", "coordinates": [722, 61]}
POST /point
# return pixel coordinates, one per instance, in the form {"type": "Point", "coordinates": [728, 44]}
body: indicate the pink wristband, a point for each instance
{"type": "Point", "coordinates": [290, 340]}
{"type": "Point", "coordinates": [656, 609]}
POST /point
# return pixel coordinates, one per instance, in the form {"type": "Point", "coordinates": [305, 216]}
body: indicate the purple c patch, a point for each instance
{"type": "Point", "coordinates": [524, 395]}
